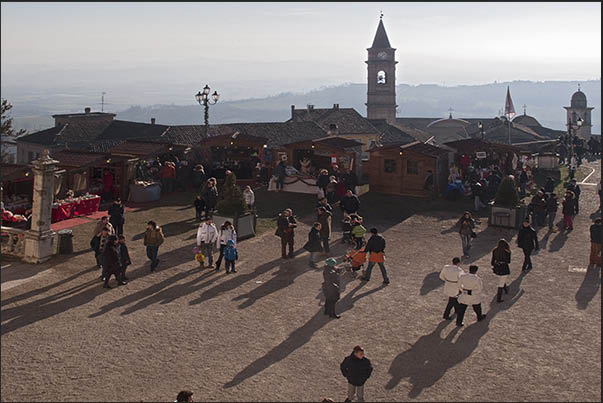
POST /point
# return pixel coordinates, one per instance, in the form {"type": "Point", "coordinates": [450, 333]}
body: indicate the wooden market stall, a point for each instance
{"type": "Point", "coordinates": [17, 187]}
{"type": "Point", "coordinates": [403, 169]}
{"type": "Point", "coordinates": [483, 154]}
{"type": "Point", "coordinates": [322, 153]}
{"type": "Point", "coordinates": [237, 152]}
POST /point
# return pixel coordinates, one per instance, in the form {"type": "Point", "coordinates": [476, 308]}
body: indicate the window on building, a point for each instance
{"type": "Point", "coordinates": [31, 156]}
{"type": "Point", "coordinates": [381, 79]}
{"type": "Point", "coordinates": [389, 166]}
{"type": "Point", "coordinates": [412, 167]}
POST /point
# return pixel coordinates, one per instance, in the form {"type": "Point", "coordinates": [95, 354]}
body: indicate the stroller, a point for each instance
{"type": "Point", "coordinates": [354, 261]}
{"type": "Point", "coordinates": [346, 228]}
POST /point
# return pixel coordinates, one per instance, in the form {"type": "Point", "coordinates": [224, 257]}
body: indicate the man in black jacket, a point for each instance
{"type": "Point", "coordinates": [574, 187]}
{"type": "Point", "coordinates": [357, 369]}
{"type": "Point", "coordinates": [350, 203]}
{"type": "Point", "coordinates": [376, 247]}
{"type": "Point", "coordinates": [527, 240]}
{"type": "Point", "coordinates": [116, 212]}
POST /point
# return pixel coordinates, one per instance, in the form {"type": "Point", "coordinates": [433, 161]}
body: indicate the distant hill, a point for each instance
{"type": "Point", "coordinates": [544, 100]}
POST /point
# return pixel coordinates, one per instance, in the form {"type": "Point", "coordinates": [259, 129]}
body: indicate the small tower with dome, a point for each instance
{"type": "Point", "coordinates": [579, 109]}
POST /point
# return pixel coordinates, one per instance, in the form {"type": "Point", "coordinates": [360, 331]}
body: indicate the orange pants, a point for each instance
{"type": "Point", "coordinates": [595, 254]}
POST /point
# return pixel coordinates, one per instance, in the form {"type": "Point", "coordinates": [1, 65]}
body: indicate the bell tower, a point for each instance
{"type": "Point", "coordinates": [381, 88]}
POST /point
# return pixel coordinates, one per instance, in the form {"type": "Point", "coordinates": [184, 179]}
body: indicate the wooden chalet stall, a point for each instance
{"type": "Point", "coordinates": [482, 154]}
{"type": "Point", "coordinates": [402, 169]}
{"type": "Point", "coordinates": [323, 153]}
{"type": "Point", "coordinates": [237, 152]}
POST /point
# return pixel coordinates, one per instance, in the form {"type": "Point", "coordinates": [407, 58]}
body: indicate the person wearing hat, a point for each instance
{"type": "Point", "coordinates": [331, 287]}
{"type": "Point", "coordinates": [376, 247]}
{"type": "Point", "coordinates": [184, 396]}
{"type": "Point", "coordinates": [357, 369]}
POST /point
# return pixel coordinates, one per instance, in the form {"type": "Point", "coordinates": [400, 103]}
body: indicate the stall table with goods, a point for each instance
{"type": "Point", "coordinates": [79, 206]}
{"type": "Point", "coordinates": [17, 205]}
{"type": "Point", "coordinates": [142, 191]}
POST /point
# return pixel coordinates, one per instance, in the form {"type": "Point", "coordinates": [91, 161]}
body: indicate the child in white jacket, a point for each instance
{"type": "Point", "coordinates": [249, 197]}
{"type": "Point", "coordinates": [207, 235]}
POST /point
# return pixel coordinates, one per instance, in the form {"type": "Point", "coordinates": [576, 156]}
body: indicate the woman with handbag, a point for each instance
{"type": "Point", "coordinates": [466, 225]}
{"type": "Point", "coordinates": [501, 258]}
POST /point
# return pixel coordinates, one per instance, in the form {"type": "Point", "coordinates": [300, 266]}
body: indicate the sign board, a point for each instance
{"type": "Point", "coordinates": [480, 155]}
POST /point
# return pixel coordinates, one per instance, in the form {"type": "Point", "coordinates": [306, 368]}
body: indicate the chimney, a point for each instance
{"type": "Point", "coordinates": [310, 107]}
{"type": "Point", "coordinates": [152, 121]}
{"type": "Point", "coordinates": [86, 110]}
{"type": "Point", "coordinates": [336, 106]}
{"type": "Point", "coordinates": [292, 111]}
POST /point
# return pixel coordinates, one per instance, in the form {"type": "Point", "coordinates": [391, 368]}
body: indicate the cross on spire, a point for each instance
{"type": "Point", "coordinates": [450, 112]}
{"type": "Point", "coordinates": [524, 109]}
{"type": "Point", "coordinates": [380, 14]}
{"type": "Point", "coordinates": [578, 86]}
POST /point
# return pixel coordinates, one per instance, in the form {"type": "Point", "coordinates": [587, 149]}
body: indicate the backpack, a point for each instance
{"type": "Point", "coordinates": [230, 253]}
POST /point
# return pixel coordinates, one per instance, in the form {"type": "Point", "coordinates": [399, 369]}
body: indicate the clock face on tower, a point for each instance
{"type": "Point", "coordinates": [382, 55]}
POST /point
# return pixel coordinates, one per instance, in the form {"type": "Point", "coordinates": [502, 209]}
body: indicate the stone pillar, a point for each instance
{"type": "Point", "coordinates": [38, 240]}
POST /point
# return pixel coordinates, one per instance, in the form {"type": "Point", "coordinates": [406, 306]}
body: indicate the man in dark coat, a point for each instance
{"type": "Point", "coordinates": [281, 173]}
{"type": "Point", "coordinates": [538, 206]}
{"type": "Point", "coordinates": [286, 225]}
{"type": "Point", "coordinates": [210, 196]}
{"type": "Point", "coordinates": [575, 188]}
{"type": "Point", "coordinates": [527, 240]}
{"type": "Point", "coordinates": [313, 245]}
{"type": "Point", "coordinates": [112, 262]}
{"type": "Point", "coordinates": [523, 181]}
{"type": "Point", "coordinates": [324, 203]}
{"type": "Point", "coordinates": [116, 213]}
{"type": "Point", "coordinates": [549, 186]}
{"type": "Point", "coordinates": [357, 369]}
{"type": "Point", "coordinates": [324, 218]}
{"type": "Point", "coordinates": [350, 203]}
{"type": "Point", "coordinates": [331, 287]}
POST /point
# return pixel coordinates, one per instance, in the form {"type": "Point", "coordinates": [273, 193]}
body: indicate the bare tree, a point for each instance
{"type": "Point", "coordinates": [6, 128]}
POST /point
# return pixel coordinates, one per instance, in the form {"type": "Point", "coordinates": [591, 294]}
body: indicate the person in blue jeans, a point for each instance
{"type": "Point", "coordinates": [153, 238]}
{"type": "Point", "coordinates": [230, 255]}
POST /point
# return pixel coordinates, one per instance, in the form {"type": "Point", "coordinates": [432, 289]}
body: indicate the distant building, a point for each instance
{"type": "Point", "coordinates": [579, 109]}
{"type": "Point", "coordinates": [9, 149]}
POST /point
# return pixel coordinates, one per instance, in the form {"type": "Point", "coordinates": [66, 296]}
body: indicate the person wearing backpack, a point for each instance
{"type": "Point", "coordinates": [230, 255]}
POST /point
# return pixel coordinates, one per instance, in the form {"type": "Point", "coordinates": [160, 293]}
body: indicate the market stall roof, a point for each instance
{"type": "Point", "coordinates": [15, 172]}
{"type": "Point", "coordinates": [333, 142]}
{"type": "Point", "coordinates": [144, 149]}
{"type": "Point", "coordinates": [542, 146]}
{"type": "Point", "coordinates": [416, 146]}
{"type": "Point", "coordinates": [235, 138]}
{"type": "Point", "coordinates": [469, 146]}
{"type": "Point", "coordinates": [78, 159]}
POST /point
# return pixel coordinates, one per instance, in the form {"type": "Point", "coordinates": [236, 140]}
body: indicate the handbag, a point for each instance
{"type": "Point", "coordinates": [473, 234]}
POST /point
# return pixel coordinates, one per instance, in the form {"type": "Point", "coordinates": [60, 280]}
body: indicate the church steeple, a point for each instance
{"type": "Point", "coordinates": [381, 64]}
{"type": "Point", "coordinates": [381, 41]}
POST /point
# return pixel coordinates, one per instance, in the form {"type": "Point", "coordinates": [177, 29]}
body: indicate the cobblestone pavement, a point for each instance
{"type": "Point", "coordinates": [260, 334]}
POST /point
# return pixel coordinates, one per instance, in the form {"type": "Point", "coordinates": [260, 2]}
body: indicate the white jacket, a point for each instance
{"type": "Point", "coordinates": [450, 275]}
{"type": "Point", "coordinates": [206, 234]}
{"type": "Point", "coordinates": [468, 281]}
{"type": "Point", "coordinates": [225, 236]}
{"type": "Point", "coordinates": [249, 197]}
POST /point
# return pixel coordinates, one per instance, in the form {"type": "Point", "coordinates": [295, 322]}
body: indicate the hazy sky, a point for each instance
{"type": "Point", "coordinates": [451, 43]}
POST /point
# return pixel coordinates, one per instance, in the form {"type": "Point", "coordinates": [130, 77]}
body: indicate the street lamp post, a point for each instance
{"type": "Point", "coordinates": [203, 98]}
{"type": "Point", "coordinates": [480, 125]}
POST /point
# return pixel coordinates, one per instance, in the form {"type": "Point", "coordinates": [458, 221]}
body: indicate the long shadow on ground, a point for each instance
{"type": "Point", "coordinates": [430, 356]}
{"type": "Point", "coordinates": [298, 337]}
{"type": "Point", "coordinates": [589, 287]}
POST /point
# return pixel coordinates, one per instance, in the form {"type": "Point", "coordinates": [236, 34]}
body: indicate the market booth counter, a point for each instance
{"type": "Point", "coordinates": [310, 156]}
{"type": "Point", "coordinates": [128, 154]}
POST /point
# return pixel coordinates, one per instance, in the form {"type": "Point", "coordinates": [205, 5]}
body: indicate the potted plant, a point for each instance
{"type": "Point", "coordinates": [232, 208]}
{"type": "Point", "coordinates": [506, 210]}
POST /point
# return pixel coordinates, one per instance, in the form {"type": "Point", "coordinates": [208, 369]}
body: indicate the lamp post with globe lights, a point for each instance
{"type": "Point", "coordinates": [203, 98]}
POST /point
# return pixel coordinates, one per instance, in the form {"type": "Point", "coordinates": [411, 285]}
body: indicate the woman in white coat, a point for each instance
{"type": "Point", "coordinates": [227, 233]}
{"type": "Point", "coordinates": [207, 235]}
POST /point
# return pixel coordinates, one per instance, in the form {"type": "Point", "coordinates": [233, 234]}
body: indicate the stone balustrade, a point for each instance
{"type": "Point", "coordinates": [13, 241]}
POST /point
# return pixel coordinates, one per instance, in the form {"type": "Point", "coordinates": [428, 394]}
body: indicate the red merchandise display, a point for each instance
{"type": "Point", "coordinates": [76, 207]}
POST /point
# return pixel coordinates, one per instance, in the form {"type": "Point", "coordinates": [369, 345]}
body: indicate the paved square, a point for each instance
{"type": "Point", "coordinates": [260, 335]}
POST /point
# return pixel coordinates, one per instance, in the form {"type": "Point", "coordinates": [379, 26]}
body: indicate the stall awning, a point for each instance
{"type": "Point", "coordinates": [469, 146]}
{"type": "Point", "coordinates": [15, 172]}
